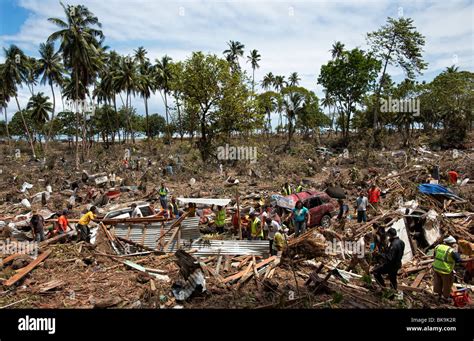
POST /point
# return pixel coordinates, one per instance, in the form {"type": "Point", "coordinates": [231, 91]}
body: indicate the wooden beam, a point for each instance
{"type": "Point", "coordinates": [24, 271]}
{"type": "Point", "coordinates": [257, 266]}
{"type": "Point", "coordinates": [418, 279]}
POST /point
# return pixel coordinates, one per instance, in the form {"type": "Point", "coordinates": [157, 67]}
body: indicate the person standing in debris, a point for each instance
{"type": "Point", "coordinates": [279, 242]}
{"type": "Point", "coordinates": [374, 196]}
{"type": "Point", "coordinates": [173, 207]}
{"type": "Point", "coordinates": [359, 256]}
{"type": "Point", "coordinates": [63, 223]}
{"type": "Point", "coordinates": [286, 190]}
{"type": "Point", "coordinates": [271, 228]}
{"type": "Point", "coordinates": [391, 260]}
{"type": "Point", "coordinates": [256, 230]}
{"type": "Point", "coordinates": [37, 227]}
{"type": "Point", "coordinates": [361, 207]}
{"type": "Point", "coordinates": [453, 177]}
{"type": "Point", "coordinates": [136, 212]}
{"type": "Point", "coordinates": [220, 219]}
{"type": "Point", "coordinates": [299, 188]}
{"type": "Point", "coordinates": [301, 217]}
{"type": "Point", "coordinates": [343, 210]}
{"type": "Point", "coordinates": [444, 259]}
{"type": "Point", "coordinates": [83, 224]}
{"type": "Point", "coordinates": [163, 193]}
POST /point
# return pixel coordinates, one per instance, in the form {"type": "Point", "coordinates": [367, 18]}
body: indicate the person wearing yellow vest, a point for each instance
{"type": "Point", "coordinates": [163, 193]}
{"type": "Point", "coordinates": [173, 208]}
{"type": "Point", "coordinates": [83, 224]}
{"type": "Point", "coordinates": [279, 241]}
{"type": "Point", "coordinates": [286, 190]}
{"type": "Point", "coordinates": [299, 188]}
{"type": "Point", "coordinates": [220, 219]}
{"type": "Point", "coordinates": [256, 228]}
{"type": "Point", "coordinates": [444, 259]}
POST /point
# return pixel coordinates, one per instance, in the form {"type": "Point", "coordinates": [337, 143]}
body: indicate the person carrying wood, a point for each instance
{"type": "Point", "coordinates": [83, 224]}
{"type": "Point", "coordinates": [391, 260]}
{"type": "Point", "coordinates": [445, 257]}
{"type": "Point", "coordinates": [271, 227]}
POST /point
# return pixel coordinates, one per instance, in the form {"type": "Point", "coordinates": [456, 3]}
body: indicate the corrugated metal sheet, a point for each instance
{"type": "Point", "coordinates": [149, 236]}
{"type": "Point", "coordinates": [231, 247]}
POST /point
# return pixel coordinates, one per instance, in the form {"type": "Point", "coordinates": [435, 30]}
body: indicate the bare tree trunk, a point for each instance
{"type": "Point", "coordinates": [6, 124]}
{"type": "Point", "coordinates": [30, 140]}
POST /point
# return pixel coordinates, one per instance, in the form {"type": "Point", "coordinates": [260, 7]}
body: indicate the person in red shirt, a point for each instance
{"type": "Point", "coordinates": [374, 196]}
{"type": "Point", "coordinates": [453, 177]}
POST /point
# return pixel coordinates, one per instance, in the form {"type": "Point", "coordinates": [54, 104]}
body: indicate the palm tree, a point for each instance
{"type": "Point", "coordinates": [80, 43]}
{"type": "Point", "coordinates": [51, 69]}
{"type": "Point", "coordinates": [145, 82]}
{"type": "Point", "coordinates": [125, 80]}
{"type": "Point", "coordinates": [278, 84]}
{"type": "Point", "coordinates": [268, 81]}
{"type": "Point", "coordinates": [329, 102]}
{"type": "Point", "coordinates": [452, 69]}
{"type": "Point", "coordinates": [163, 78]}
{"type": "Point", "coordinates": [39, 107]}
{"type": "Point", "coordinates": [254, 57]}
{"type": "Point", "coordinates": [294, 79]}
{"type": "Point", "coordinates": [235, 50]}
{"type": "Point", "coordinates": [14, 72]}
{"type": "Point", "coordinates": [4, 99]}
{"type": "Point", "coordinates": [337, 50]}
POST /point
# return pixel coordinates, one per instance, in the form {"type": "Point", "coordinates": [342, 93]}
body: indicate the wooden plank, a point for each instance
{"type": "Point", "coordinates": [173, 236]}
{"type": "Point", "coordinates": [24, 271]}
{"type": "Point", "coordinates": [246, 275]}
{"type": "Point", "coordinates": [254, 269]}
{"type": "Point", "coordinates": [227, 264]}
{"type": "Point", "coordinates": [55, 283]}
{"type": "Point", "coordinates": [244, 261]}
{"type": "Point", "coordinates": [241, 273]}
{"type": "Point", "coordinates": [218, 266]}
{"type": "Point", "coordinates": [11, 258]}
{"type": "Point", "coordinates": [56, 238]}
{"type": "Point", "coordinates": [418, 279]}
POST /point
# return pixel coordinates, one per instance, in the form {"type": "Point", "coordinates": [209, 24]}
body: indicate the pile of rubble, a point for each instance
{"type": "Point", "coordinates": [161, 262]}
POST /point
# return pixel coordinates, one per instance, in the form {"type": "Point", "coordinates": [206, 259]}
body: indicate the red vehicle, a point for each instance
{"type": "Point", "coordinates": [320, 205]}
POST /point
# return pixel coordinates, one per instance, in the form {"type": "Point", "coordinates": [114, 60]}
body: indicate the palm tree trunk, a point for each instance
{"type": "Point", "coordinates": [26, 127]}
{"type": "Point", "coordinates": [167, 120]}
{"type": "Point", "coordinates": [146, 114]}
{"type": "Point", "coordinates": [6, 124]}
{"type": "Point", "coordinates": [78, 121]}
{"type": "Point", "coordinates": [253, 79]}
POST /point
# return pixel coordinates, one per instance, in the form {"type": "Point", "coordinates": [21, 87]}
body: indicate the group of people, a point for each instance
{"type": "Point", "coordinates": [362, 204]}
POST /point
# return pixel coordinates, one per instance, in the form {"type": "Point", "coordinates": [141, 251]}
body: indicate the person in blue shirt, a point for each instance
{"type": "Point", "coordinates": [301, 217]}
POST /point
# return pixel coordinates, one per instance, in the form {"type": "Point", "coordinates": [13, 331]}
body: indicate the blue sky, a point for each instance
{"type": "Point", "coordinates": [290, 36]}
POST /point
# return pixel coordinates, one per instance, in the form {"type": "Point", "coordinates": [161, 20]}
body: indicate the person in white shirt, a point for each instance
{"type": "Point", "coordinates": [136, 213]}
{"type": "Point", "coordinates": [270, 228]}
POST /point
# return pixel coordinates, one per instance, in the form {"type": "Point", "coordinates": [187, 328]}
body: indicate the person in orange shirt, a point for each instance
{"type": "Point", "coordinates": [63, 223]}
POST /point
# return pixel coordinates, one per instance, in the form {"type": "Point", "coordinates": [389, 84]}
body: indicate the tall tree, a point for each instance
{"type": "Point", "coordinates": [232, 54]}
{"type": "Point", "coordinates": [80, 40]}
{"type": "Point", "coordinates": [15, 71]}
{"type": "Point", "coordinates": [254, 57]}
{"type": "Point", "coordinates": [337, 50]}
{"type": "Point", "coordinates": [163, 73]}
{"type": "Point", "coordinates": [397, 43]}
{"type": "Point", "coordinates": [294, 79]}
{"type": "Point", "coordinates": [145, 82]}
{"type": "Point", "coordinates": [40, 107]}
{"type": "Point", "coordinates": [268, 81]}
{"type": "Point", "coordinates": [50, 69]}
{"type": "Point", "coordinates": [347, 80]}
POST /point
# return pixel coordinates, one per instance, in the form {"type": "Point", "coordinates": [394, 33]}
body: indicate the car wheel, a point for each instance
{"type": "Point", "coordinates": [326, 221]}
